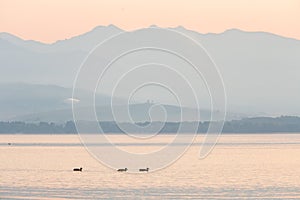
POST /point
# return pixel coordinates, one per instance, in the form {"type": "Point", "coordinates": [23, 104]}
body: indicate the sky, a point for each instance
{"type": "Point", "coordinates": [49, 21]}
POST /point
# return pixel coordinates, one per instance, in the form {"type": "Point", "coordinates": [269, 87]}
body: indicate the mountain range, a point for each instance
{"type": "Point", "coordinates": [260, 71]}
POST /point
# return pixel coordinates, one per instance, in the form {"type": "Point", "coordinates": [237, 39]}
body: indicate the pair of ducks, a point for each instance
{"type": "Point", "coordinates": [141, 170]}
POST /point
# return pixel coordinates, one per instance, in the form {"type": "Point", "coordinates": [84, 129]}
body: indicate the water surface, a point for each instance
{"type": "Point", "coordinates": [258, 166]}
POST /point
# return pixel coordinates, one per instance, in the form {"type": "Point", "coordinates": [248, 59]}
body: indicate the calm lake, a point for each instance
{"type": "Point", "coordinates": [241, 166]}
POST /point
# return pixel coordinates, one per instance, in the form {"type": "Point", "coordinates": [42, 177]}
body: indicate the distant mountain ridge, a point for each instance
{"type": "Point", "coordinates": [252, 64]}
{"type": "Point", "coordinates": [51, 103]}
{"type": "Point", "coordinates": [21, 99]}
{"type": "Point", "coordinates": [84, 42]}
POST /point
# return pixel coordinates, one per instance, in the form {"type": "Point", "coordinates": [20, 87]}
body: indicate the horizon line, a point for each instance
{"type": "Point", "coordinates": [151, 26]}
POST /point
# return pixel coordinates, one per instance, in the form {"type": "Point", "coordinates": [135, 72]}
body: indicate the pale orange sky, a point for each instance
{"type": "Point", "coordinates": [52, 20]}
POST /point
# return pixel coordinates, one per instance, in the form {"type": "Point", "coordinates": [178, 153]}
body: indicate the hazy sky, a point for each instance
{"type": "Point", "coordinates": [49, 21]}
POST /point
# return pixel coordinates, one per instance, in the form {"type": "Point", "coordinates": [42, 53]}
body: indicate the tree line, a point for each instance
{"type": "Point", "coordinates": [248, 125]}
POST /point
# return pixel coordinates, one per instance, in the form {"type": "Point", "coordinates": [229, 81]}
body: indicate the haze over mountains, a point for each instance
{"type": "Point", "coordinates": [260, 70]}
{"type": "Point", "coordinates": [48, 103]}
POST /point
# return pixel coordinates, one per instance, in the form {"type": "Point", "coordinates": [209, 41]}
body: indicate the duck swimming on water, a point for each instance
{"type": "Point", "coordinates": [144, 170]}
{"type": "Point", "coordinates": [122, 170]}
{"type": "Point", "coordinates": [78, 169]}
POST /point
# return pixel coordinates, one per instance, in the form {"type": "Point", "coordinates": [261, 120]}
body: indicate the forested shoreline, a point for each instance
{"type": "Point", "coordinates": [283, 124]}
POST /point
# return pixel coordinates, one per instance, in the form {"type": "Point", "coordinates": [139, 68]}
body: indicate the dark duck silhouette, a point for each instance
{"type": "Point", "coordinates": [122, 170]}
{"type": "Point", "coordinates": [144, 170]}
{"type": "Point", "coordinates": [78, 169]}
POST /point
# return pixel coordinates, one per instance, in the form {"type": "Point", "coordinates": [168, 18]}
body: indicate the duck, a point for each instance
{"type": "Point", "coordinates": [122, 170]}
{"type": "Point", "coordinates": [144, 170]}
{"type": "Point", "coordinates": [78, 169]}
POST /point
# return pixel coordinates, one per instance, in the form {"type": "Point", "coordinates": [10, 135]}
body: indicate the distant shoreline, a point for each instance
{"type": "Point", "coordinates": [258, 125]}
{"type": "Point", "coordinates": [223, 133]}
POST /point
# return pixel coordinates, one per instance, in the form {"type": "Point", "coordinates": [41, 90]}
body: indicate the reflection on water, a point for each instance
{"type": "Point", "coordinates": [241, 166]}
